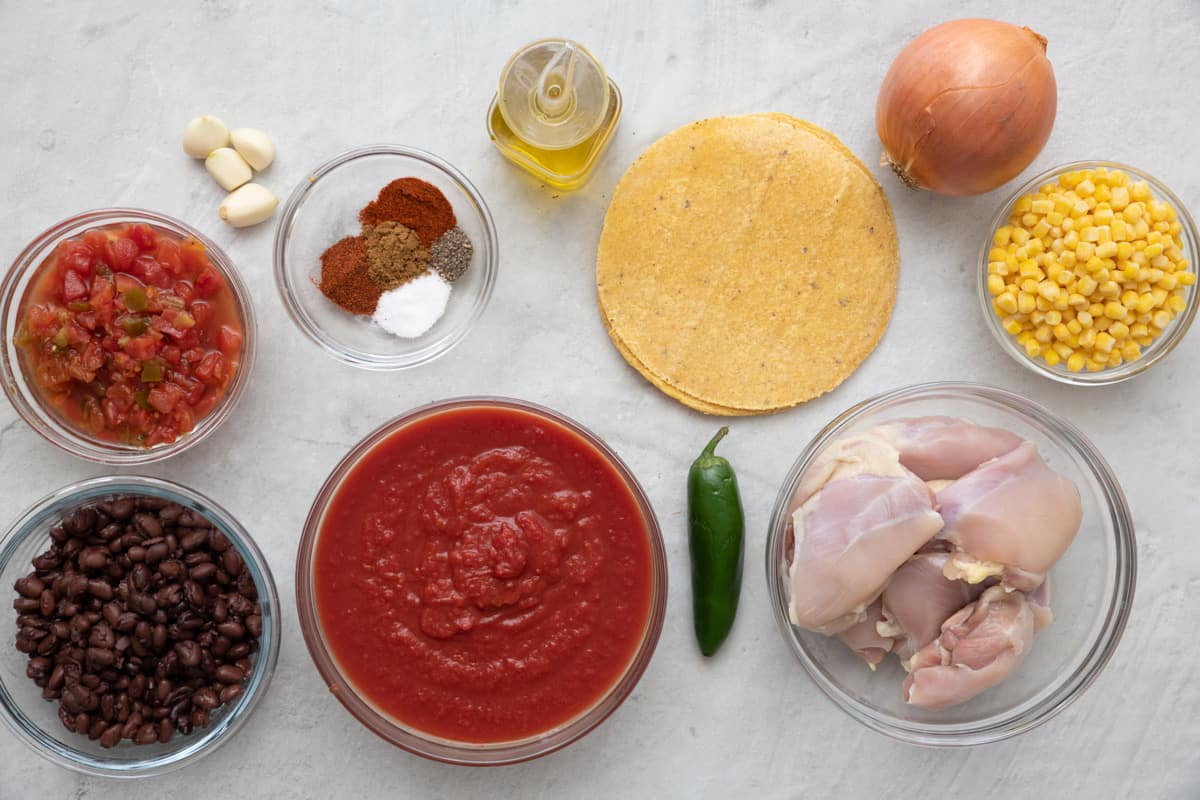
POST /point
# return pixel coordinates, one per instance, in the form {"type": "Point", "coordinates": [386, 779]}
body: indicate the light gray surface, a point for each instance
{"type": "Point", "coordinates": [95, 98]}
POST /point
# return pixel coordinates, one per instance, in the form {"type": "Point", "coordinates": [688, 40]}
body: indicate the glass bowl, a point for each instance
{"type": "Point", "coordinates": [35, 720]}
{"type": "Point", "coordinates": [1151, 355]}
{"type": "Point", "coordinates": [426, 744]}
{"type": "Point", "coordinates": [27, 399]}
{"type": "Point", "coordinates": [1092, 590]}
{"type": "Point", "coordinates": [324, 208]}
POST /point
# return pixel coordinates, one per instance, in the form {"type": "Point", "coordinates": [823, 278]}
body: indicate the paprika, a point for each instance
{"type": "Point", "coordinates": [415, 204]}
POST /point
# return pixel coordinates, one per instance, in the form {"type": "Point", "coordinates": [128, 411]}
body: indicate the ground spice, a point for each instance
{"type": "Point", "coordinates": [451, 255]}
{"type": "Point", "coordinates": [394, 254]}
{"type": "Point", "coordinates": [413, 203]}
{"type": "Point", "coordinates": [344, 277]}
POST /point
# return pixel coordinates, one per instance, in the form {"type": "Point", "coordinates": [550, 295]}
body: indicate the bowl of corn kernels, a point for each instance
{"type": "Point", "coordinates": [1088, 275]}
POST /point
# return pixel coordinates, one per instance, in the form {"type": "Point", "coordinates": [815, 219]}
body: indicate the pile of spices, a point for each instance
{"type": "Point", "coordinates": [140, 620]}
{"type": "Point", "coordinates": [400, 268]}
{"type": "Point", "coordinates": [451, 255]}
{"type": "Point", "coordinates": [394, 254]}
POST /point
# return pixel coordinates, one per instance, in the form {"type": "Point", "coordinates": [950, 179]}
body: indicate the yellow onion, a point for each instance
{"type": "Point", "coordinates": [966, 106]}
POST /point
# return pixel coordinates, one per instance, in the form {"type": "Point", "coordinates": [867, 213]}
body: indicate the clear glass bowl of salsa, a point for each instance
{"type": "Point", "coordinates": [481, 581]}
{"type": "Point", "coordinates": [127, 335]}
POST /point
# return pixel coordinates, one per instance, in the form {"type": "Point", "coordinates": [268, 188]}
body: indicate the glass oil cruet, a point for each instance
{"type": "Point", "coordinates": [554, 112]}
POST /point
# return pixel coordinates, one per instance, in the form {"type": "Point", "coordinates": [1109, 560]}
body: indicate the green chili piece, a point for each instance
{"type": "Point", "coordinates": [135, 299]}
{"type": "Point", "coordinates": [142, 398]}
{"type": "Point", "coordinates": [79, 305]}
{"type": "Point", "coordinates": [152, 372]}
{"type": "Point", "coordinates": [60, 339]}
{"type": "Point", "coordinates": [135, 325]}
{"type": "Point", "coordinates": [716, 529]}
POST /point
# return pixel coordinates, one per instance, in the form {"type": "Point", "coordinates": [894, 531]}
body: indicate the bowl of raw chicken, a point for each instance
{"type": "Point", "coordinates": [951, 563]}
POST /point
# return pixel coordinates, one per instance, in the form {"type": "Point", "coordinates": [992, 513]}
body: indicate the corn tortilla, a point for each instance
{"type": "Point", "coordinates": [747, 264]}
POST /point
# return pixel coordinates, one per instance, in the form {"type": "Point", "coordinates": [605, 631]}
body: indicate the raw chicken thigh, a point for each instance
{"type": "Point", "coordinates": [864, 639]}
{"type": "Point", "coordinates": [945, 448]}
{"type": "Point", "coordinates": [849, 538]}
{"type": "Point", "coordinates": [930, 538]}
{"type": "Point", "coordinates": [979, 646]}
{"type": "Point", "coordinates": [1011, 518]}
{"type": "Point", "coordinates": [918, 599]}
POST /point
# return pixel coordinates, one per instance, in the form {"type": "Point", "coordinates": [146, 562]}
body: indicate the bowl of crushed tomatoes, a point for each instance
{"type": "Point", "coordinates": [127, 336]}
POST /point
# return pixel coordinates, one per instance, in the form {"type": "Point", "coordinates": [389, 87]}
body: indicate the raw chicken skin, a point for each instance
{"type": "Point", "coordinates": [979, 646]}
{"type": "Point", "coordinates": [945, 448]}
{"type": "Point", "coordinates": [1012, 517]}
{"type": "Point", "coordinates": [918, 599]}
{"type": "Point", "coordinates": [848, 540]}
{"type": "Point", "coordinates": [865, 453]}
{"type": "Point", "coordinates": [864, 639]}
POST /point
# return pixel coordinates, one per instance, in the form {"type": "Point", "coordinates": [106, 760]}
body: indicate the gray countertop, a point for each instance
{"type": "Point", "coordinates": [95, 98]}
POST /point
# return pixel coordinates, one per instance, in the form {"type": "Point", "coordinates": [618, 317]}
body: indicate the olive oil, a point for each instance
{"type": "Point", "coordinates": [555, 112]}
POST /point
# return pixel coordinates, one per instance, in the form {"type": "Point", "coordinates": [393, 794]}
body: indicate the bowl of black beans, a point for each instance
{"type": "Point", "coordinates": [141, 630]}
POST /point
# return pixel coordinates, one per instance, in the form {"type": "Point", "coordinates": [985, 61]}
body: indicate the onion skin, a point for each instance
{"type": "Point", "coordinates": [966, 106]}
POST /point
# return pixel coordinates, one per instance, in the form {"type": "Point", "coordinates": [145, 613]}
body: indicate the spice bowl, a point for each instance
{"type": "Point", "coordinates": [35, 721]}
{"type": "Point", "coordinates": [324, 209]}
{"type": "Point", "coordinates": [1092, 584]}
{"type": "Point", "coordinates": [1189, 243]}
{"type": "Point", "coordinates": [19, 377]}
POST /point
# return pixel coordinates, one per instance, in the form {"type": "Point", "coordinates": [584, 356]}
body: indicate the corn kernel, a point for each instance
{"type": "Point", "coordinates": [1025, 303]}
{"type": "Point", "coordinates": [1130, 351]}
{"type": "Point", "coordinates": [1041, 206]}
{"type": "Point", "coordinates": [1177, 303]}
{"type": "Point", "coordinates": [1048, 290]}
{"type": "Point", "coordinates": [1154, 249]}
{"type": "Point", "coordinates": [1085, 188]}
{"type": "Point", "coordinates": [1168, 282]}
{"type": "Point", "coordinates": [1114, 359]}
{"type": "Point", "coordinates": [1013, 327]}
{"type": "Point", "coordinates": [1140, 191]}
{"type": "Point", "coordinates": [1020, 236]}
{"type": "Point", "coordinates": [1106, 250]}
{"type": "Point", "coordinates": [1119, 330]}
{"type": "Point", "coordinates": [995, 284]}
{"type": "Point", "coordinates": [1075, 362]}
{"type": "Point", "coordinates": [1094, 366]}
{"type": "Point", "coordinates": [1138, 330]}
{"type": "Point", "coordinates": [1114, 310]}
{"type": "Point", "coordinates": [1185, 278]}
{"type": "Point", "coordinates": [1161, 319]}
{"type": "Point", "coordinates": [1077, 325]}
{"type": "Point", "coordinates": [1063, 349]}
{"type": "Point", "coordinates": [1002, 236]}
{"type": "Point", "coordinates": [1007, 303]}
{"type": "Point", "coordinates": [1109, 289]}
{"type": "Point", "coordinates": [1087, 339]}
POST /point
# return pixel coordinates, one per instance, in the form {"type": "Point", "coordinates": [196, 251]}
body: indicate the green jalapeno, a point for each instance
{"type": "Point", "coordinates": [716, 529]}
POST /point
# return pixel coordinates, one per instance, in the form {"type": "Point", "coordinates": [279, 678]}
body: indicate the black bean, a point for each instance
{"type": "Point", "coordinates": [170, 513]}
{"type": "Point", "coordinates": [81, 521]}
{"type": "Point", "coordinates": [97, 729]}
{"type": "Point", "coordinates": [204, 571]}
{"type": "Point", "coordinates": [140, 575]}
{"type": "Point", "coordinates": [98, 657]}
{"type": "Point", "coordinates": [239, 650]}
{"type": "Point", "coordinates": [47, 646]}
{"type": "Point", "coordinates": [200, 717]}
{"type": "Point", "coordinates": [29, 586]}
{"type": "Point", "coordinates": [111, 735]}
{"type": "Point", "coordinates": [101, 635]}
{"type": "Point", "coordinates": [218, 541]}
{"type": "Point", "coordinates": [189, 653]}
{"type": "Point", "coordinates": [206, 699]}
{"type": "Point", "coordinates": [136, 553]}
{"type": "Point", "coordinates": [169, 595]}
{"type": "Point", "coordinates": [220, 610]}
{"type": "Point", "coordinates": [231, 561]}
{"type": "Point", "coordinates": [231, 693]}
{"type": "Point", "coordinates": [127, 622]}
{"type": "Point", "coordinates": [147, 524]}
{"type": "Point", "coordinates": [122, 508]}
{"type": "Point", "coordinates": [151, 503]}
{"type": "Point", "coordinates": [165, 731]}
{"type": "Point", "coordinates": [254, 625]}
{"type": "Point", "coordinates": [46, 562]}
{"type": "Point", "coordinates": [27, 604]}
{"type": "Point", "coordinates": [47, 603]}
{"type": "Point", "coordinates": [101, 589]}
{"type": "Point", "coordinates": [59, 534]}
{"type": "Point", "coordinates": [111, 531]}
{"type": "Point", "coordinates": [194, 538]}
{"type": "Point", "coordinates": [233, 630]}
{"type": "Point", "coordinates": [227, 673]}
{"type": "Point", "coordinates": [67, 716]}
{"type": "Point", "coordinates": [39, 668]}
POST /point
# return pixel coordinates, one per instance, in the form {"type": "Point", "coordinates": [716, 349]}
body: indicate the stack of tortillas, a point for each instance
{"type": "Point", "coordinates": [747, 264]}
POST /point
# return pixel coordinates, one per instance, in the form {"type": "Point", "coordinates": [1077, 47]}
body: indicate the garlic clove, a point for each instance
{"type": "Point", "coordinates": [203, 135]}
{"type": "Point", "coordinates": [254, 146]}
{"type": "Point", "coordinates": [249, 205]}
{"type": "Point", "coordinates": [228, 168]}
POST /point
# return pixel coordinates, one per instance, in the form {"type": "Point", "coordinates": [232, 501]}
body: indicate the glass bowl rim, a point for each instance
{"type": "Point", "coordinates": [27, 525]}
{"type": "Point", "coordinates": [1158, 350]}
{"type": "Point", "coordinates": [23, 396]}
{"type": "Point", "coordinates": [1100, 650]}
{"type": "Point", "coordinates": [470, 753]}
{"type": "Point", "coordinates": [313, 330]}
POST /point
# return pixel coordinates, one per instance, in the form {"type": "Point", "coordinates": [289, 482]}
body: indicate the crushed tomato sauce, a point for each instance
{"type": "Point", "coordinates": [483, 575]}
{"type": "Point", "coordinates": [130, 333]}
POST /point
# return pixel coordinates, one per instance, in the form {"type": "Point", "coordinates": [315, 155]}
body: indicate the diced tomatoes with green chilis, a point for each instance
{"type": "Point", "coordinates": [131, 334]}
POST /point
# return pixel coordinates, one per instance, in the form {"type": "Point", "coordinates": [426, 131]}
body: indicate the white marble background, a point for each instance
{"type": "Point", "coordinates": [94, 98]}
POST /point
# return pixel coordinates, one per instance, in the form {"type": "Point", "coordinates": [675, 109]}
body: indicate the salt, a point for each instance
{"type": "Point", "coordinates": [412, 308]}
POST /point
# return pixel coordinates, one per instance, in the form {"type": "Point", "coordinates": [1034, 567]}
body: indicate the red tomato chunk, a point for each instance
{"type": "Point", "coordinates": [131, 334]}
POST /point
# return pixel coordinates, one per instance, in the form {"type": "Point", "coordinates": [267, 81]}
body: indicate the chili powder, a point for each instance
{"type": "Point", "coordinates": [415, 204]}
{"type": "Point", "coordinates": [345, 279]}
